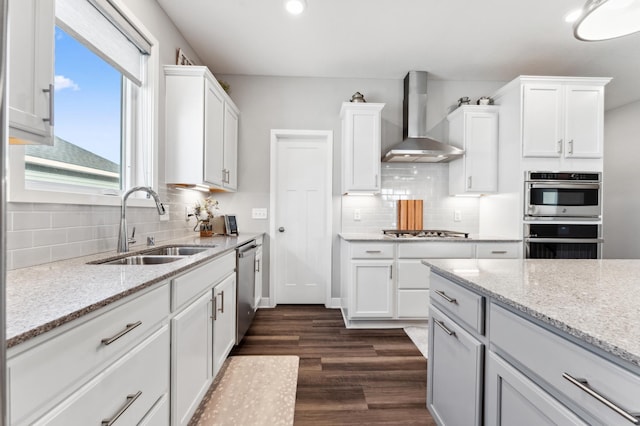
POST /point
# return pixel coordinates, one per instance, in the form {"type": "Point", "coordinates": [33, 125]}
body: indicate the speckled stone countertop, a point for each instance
{"type": "Point", "coordinates": [382, 237]}
{"type": "Point", "coordinates": [46, 296]}
{"type": "Point", "coordinates": [597, 301]}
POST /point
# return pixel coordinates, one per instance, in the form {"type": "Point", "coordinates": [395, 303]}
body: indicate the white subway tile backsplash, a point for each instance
{"type": "Point", "coordinates": [24, 258]}
{"type": "Point", "coordinates": [19, 239]}
{"type": "Point", "coordinates": [48, 237]}
{"type": "Point", "coordinates": [427, 182]}
{"type": "Point", "coordinates": [28, 220]}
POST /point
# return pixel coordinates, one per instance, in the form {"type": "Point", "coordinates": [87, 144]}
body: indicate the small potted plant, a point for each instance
{"type": "Point", "coordinates": [204, 212]}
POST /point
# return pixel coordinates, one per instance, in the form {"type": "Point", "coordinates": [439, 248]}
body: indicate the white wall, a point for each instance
{"type": "Point", "coordinates": [621, 222]}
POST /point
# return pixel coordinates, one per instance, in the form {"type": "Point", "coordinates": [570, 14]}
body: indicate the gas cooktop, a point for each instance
{"type": "Point", "coordinates": [423, 233]}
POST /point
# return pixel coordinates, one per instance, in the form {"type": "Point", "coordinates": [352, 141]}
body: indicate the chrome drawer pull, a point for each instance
{"type": "Point", "coordinates": [445, 328]}
{"type": "Point", "coordinates": [128, 328]}
{"type": "Point", "coordinates": [130, 400]}
{"type": "Point", "coordinates": [215, 309]}
{"type": "Point", "coordinates": [51, 90]}
{"type": "Point", "coordinates": [222, 302]}
{"type": "Point", "coordinates": [498, 251]}
{"type": "Point", "coordinates": [445, 297]}
{"type": "Point", "coordinates": [374, 251]}
{"type": "Point", "coordinates": [584, 386]}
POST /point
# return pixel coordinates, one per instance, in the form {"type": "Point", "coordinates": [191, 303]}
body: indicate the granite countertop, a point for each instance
{"type": "Point", "coordinates": [46, 296]}
{"type": "Point", "coordinates": [596, 301]}
{"type": "Point", "coordinates": [380, 237]}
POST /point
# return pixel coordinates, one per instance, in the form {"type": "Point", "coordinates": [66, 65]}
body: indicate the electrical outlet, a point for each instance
{"type": "Point", "coordinates": [457, 216]}
{"type": "Point", "coordinates": [165, 217]}
{"type": "Point", "coordinates": [357, 215]}
{"type": "Point", "coordinates": [259, 213]}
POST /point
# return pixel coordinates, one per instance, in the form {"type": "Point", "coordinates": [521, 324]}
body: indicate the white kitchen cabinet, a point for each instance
{"type": "Point", "coordinates": [224, 321]}
{"type": "Point", "coordinates": [125, 391]}
{"type": "Point", "coordinates": [562, 119]}
{"type": "Point", "coordinates": [30, 53]}
{"type": "Point", "coordinates": [455, 367]}
{"type": "Point", "coordinates": [513, 399]}
{"type": "Point", "coordinates": [192, 352]}
{"type": "Point", "coordinates": [361, 146]}
{"type": "Point", "coordinates": [201, 130]}
{"type": "Point", "coordinates": [372, 289]}
{"type": "Point", "coordinates": [475, 130]}
{"type": "Point", "coordinates": [259, 270]}
{"type": "Point", "coordinates": [498, 250]}
{"type": "Point", "coordinates": [43, 375]}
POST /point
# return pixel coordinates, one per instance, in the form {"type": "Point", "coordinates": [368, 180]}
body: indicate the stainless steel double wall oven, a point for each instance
{"type": "Point", "coordinates": [562, 215]}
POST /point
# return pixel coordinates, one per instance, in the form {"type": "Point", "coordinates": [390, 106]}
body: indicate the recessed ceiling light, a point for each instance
{"type": "Point", "coordinates": [295, 7]}
{"type": "Point", "coordinates": [573, 15]}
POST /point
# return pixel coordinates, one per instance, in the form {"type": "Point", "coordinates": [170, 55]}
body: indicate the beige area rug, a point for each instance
{"type": "Point", "coordinates": [420, 337]}
{"type": "Point", "coordinates": [251, 391]}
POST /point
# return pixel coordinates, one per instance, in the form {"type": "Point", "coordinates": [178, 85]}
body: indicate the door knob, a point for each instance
{"type": "Point", "coordinates": [281, 229]}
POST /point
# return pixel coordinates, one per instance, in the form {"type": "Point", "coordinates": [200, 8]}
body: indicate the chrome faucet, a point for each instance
{"type": "Point", "coordinates": [123, 241]}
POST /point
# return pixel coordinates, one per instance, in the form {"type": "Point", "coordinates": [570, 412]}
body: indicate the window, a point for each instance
{"type": "Point", "coordinates": [103, 135]}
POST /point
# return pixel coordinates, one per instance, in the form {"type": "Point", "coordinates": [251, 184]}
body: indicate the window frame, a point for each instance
{"type": "Point", "coordinates": [139, 141]}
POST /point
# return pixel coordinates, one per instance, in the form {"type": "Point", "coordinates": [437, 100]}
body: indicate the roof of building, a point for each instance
{"type": "Point", "coordinates": [67, 152]}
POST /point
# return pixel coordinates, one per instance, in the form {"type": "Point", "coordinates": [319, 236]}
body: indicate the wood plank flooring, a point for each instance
{"type": "Point", "coordinates": [346, 377]}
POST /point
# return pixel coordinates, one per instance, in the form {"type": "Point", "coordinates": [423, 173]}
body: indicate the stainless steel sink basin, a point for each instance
{"type": "Point", "coordinates": [142, 260]}
{"type": "Point", "coordinates": [176, 251]}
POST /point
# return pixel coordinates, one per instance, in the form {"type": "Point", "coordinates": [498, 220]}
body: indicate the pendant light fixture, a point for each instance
{"type": "Point", "coordinates": [607, 19]}
{"type": "Point", "coordinates": [295, 7]}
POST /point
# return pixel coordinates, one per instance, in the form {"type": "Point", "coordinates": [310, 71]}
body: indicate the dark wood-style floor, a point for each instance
{"type": "Point", "coordinates": [346, 377]}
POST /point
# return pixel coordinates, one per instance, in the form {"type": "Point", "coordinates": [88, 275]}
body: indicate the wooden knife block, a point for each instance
{"type": "Point", "coordinates": [409, 214]}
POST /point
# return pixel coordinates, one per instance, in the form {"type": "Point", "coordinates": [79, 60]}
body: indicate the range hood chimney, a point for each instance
{"type": "Point", "coordinates": [416, 146]}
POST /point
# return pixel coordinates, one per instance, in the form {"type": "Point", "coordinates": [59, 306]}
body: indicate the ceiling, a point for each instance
{"type": "Point", "coordinates": [489, 40]}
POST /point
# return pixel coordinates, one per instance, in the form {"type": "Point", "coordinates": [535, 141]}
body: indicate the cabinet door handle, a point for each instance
{"type": "Point", "coordinates": [109, 340]}
{"type": "Point", "coordinates": [571, 146]}
{"type": "Point", "coordinates": [445, 297]}
{"type": "Point", "coordinates": [377, 181]}
{"type": "Point", "coordinates": [469, 182]}
{"type": "Point", "coordinates": [559, 148]}
{"type": "Point", "coordinates": [445, 328]}
{"type": "Point", "coordinates": [130, 400]}
{"type": "Point", "coordinates": [50, 91]}
{"type": "Point", "coordinates": [374, 251]}
{"type": "Point", "coordinates": [391, 272]}
{"type": "Point", "coordinates": [498, 252]}
{"type": "Point", "coordinates": [257, 265]}
{"type": "Point", "coordinates": [221, 294]}
{"type": "Point", "coordinates": [584, 386]}
{"type": "Point", "coordinates": [215, 308]}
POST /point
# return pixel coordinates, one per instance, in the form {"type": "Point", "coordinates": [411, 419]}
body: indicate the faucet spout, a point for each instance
{"type": "Point", "coordinates": [123, 241]}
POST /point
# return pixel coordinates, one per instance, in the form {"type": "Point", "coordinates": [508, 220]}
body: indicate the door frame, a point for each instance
{"type": "Point", "coordinates": [323, 136]}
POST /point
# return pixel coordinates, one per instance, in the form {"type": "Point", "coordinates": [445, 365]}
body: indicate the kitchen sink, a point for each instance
{"type": "Point", "coordinates": [142, 260]}
{"type": "Point", "coordinates": [176, 251]}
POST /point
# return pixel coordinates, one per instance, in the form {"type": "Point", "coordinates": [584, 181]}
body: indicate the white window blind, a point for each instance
{"type": "Point", "coordinates": [107, 32]}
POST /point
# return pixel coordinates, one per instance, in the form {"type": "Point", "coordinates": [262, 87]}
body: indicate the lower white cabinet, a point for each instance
{"type": "Point", "coordinates": [513, 399]}
{"type": "Point", "coordinates": [125, 391]}
{"type": "Point", "coordinates": [372, 289]}
{"type": "Point", "coordinates": [455, 367]}
{"type": "Point", "coordinates": [224, 321]}
{"type": "Point", "coordinates": [259, 271]}
{"type": "Point", "coordinates": [192, 346]}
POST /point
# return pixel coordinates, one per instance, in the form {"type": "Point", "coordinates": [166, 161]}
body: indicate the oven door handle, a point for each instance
{"type": "Point", "coordinates": [564, 240]}
{"type": "Point", "coordinates": [539, 185]}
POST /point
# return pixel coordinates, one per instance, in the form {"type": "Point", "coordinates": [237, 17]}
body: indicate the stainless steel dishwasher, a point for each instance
{"type": "Point", "coordinates": [246, 283]}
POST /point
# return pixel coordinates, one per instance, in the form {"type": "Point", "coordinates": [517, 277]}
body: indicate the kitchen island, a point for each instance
{"type": "Point", "coordinates": [539, 340]}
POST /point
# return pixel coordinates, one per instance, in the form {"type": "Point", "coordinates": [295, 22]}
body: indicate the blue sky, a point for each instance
{"type": "Point", "coordinates": [87, 99]}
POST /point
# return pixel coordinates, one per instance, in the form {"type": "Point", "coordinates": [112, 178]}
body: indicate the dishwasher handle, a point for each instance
{"type": "Point", "coordinates": [247, 248]}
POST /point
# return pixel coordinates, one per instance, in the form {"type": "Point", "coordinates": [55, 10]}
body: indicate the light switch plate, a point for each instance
{"type": "Point", "coordinates": [457, 216]}
{"type": "Point", "coordinates": [258, 213]}
{"type": "Point", "coordinates": [357, 214]}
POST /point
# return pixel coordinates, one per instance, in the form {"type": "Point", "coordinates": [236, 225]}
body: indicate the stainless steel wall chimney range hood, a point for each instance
{"type": "Point", "coordinates": [416, 146]}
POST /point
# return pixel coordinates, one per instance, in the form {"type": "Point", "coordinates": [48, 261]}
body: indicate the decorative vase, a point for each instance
{"type": "Point", "coordinates": [206, 229]}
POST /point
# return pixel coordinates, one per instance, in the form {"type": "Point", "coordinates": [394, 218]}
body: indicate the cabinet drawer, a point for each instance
{"type": "Point", "coordinates": [530, 344]}
{"type": "Point", "coordinates": [413, 303]}
{"type": "Point", "coordinates": [458, 301]}
{"type": "Point", "coordinates": [372, 251]}
{"type": "Point", "coordinates": [413, 274]}
{"type": "Point", "coordinates": [44, 373]}
{"type": "Point", "coordinates": [436, 250]}
{"type": "Point", "coordinates": [498, 250]}
{"type": "Point", "coordinates": [193, 283]}
{"type": "Point", "coordinates": [130, 387]}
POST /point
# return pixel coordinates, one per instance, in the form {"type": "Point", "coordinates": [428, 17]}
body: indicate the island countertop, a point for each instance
{"type": "Point", "coordinates": [43, 297]}
{"type": "Point", "coordinates": [596, 301]}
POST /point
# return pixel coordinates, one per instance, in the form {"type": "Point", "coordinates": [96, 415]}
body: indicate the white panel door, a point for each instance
{"type": "Point", "coordinates": [542, 126]}
{"type": "Point", "coordinates": [302, 197]}
{"type": "Point", "coordinates": [584, 121]}
{"type": "Point", "coordinates": [213, 135]}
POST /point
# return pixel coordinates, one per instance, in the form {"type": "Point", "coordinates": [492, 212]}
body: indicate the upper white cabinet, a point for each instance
{"type": "Point", "coordinates": [361, 141]}
{"type": "Point", "coordinates": [201, 130]}
{"type": "Point", "coordinates": [475, 130]}
{"type": "Point", "coordinates": [31, 91]}
{"type": "Point", "coordinates": [563, 119]}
